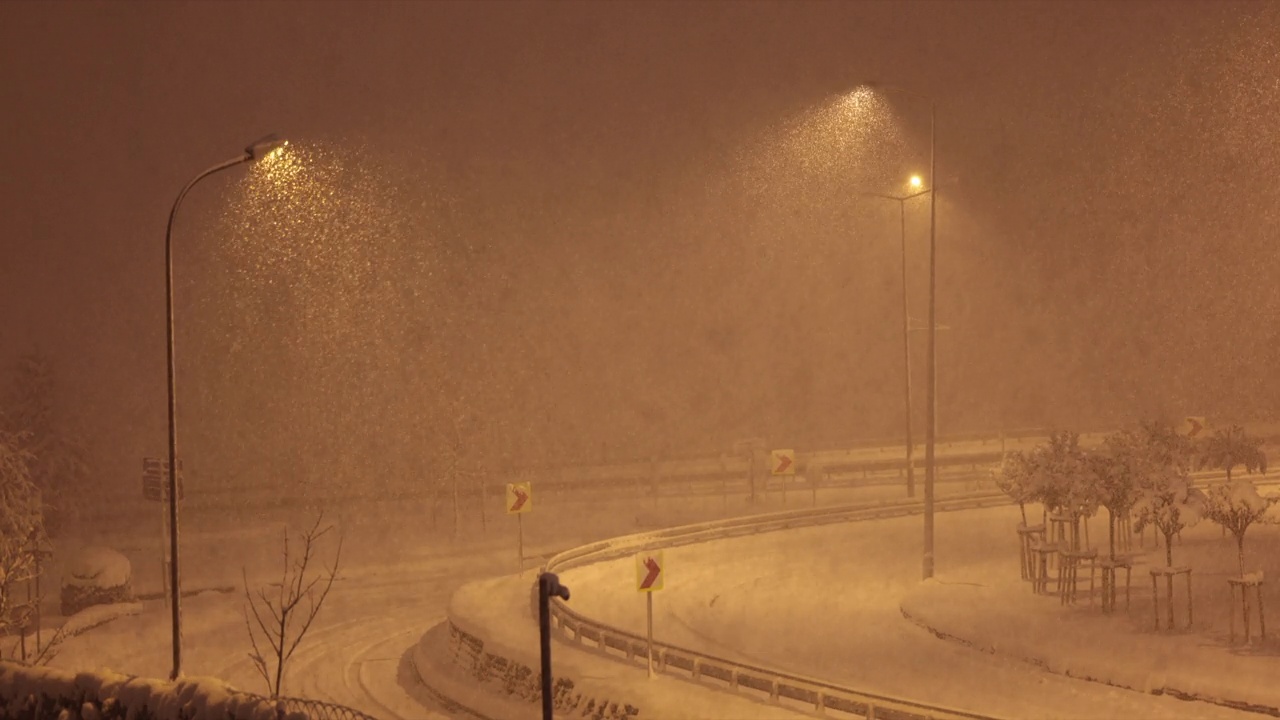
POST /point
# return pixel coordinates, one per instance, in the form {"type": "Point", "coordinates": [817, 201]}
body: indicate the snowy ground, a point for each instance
{"type": "Point", "coordinates": [825, 602]}
{"type": "Point", "coordinates": [988, 606]}
{"type": "Point", "coordinates": [398, 574]}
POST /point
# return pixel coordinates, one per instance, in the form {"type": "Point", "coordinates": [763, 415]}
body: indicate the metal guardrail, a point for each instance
{"type": "Point", "coordinates": [763, 683]}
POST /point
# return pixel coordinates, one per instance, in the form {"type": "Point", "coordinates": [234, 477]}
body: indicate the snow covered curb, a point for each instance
{"type": "Point", "coordinates": [1006, 619]}
{"type": "Point", "coordinates": [510, 672]}
{"type": "Point", "coordinates": [45, 692]}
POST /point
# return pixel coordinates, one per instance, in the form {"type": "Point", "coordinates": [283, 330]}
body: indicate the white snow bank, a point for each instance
{"type": "Point", "coordinates": [189, 698]}
{"type": "Point", "coordinates": [989, 609]}
{"type": "Point", "coordinates": [97, 567]}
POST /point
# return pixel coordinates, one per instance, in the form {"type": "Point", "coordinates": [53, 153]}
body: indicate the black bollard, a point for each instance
{"type": "Point", "coordinates": [548, 586]}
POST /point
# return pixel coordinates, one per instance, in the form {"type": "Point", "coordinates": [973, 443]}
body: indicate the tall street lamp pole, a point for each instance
{"type": "Point", "coordinates": [930, 430]}
{"type": "Point", "coordinates": [906, 327]}
{"type": "Point", "coordinates": [258, 150]}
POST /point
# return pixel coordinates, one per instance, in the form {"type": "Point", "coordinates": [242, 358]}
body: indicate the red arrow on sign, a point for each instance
{"type": "Point", "coordinates": [654, 570]}
{"type": "Point", "coordinates": [521, 498]}
{"type": "Point", "coordinates": [784, 462]}
{"type": "Point", "coordinates": [1196, 427]}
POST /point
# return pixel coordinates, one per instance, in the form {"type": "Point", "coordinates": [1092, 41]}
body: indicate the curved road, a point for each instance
{"type": "Point", "coordinates": [823, 602]}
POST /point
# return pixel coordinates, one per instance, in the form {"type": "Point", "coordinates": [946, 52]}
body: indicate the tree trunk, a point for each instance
{"type": "Point", "coordinates": [1168, 548]}
{"type": "Point", "coordinates": [457, 516]}
{"type": "Point", "coordinates": [1111, 532]}
{"type": "Point", "coordinates": [1240, 553]}
{"type": "Point", "coordinates": [1022, 508]}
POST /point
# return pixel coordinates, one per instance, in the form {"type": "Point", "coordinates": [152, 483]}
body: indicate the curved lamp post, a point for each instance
{"type": "Point", "coordinates": [930, 430]}
{"type": "Point", "coordinates": [915, 182]}
{"type": "Point", "coordinates": [256, 151]}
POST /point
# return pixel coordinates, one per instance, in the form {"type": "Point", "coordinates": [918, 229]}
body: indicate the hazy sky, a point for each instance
{"type": "Point", "coordinates": [1108, 242]}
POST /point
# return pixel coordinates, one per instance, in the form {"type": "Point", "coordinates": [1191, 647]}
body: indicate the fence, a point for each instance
{"type": "Point", "coordinates": [288, 708]}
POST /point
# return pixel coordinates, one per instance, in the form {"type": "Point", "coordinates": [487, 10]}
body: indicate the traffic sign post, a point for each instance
{"type": "Point", "coordinates": [519, 500]}
{"type": "Point", "coordinates": [783, 463]}
{"type": "Point", "coordinates": [651, 574]}
{"type": "Point", "coordinates": [155, 487]}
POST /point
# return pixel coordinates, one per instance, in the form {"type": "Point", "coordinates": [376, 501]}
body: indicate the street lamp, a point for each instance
{"type": "Point", "coordinates": [259, 150]}
{"type": "Point", "coordinates": [930, 430]}
{"type": "Point", "coordinates": [914, 182]}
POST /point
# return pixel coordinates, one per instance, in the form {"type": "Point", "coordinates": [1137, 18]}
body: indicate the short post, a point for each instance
{"type": "Point", "coordinates": [520, 541]}
{"type": "Point", "coordinates": [1169, 573]}
{"type": "Point", "coordinates": [649, 630]}
{"type": "Point", "coordinates": [548, 586]}
{"type": "Point", "coordinates": [1244, 583]}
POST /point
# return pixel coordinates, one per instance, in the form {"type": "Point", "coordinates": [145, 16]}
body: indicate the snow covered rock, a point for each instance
{"type": "Point", "coordinates": [96, 576]}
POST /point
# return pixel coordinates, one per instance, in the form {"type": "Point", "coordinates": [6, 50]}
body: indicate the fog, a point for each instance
{"type": "Point", "coordinates": [511, 238]}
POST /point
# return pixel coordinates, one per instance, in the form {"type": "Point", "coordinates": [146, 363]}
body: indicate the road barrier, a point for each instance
{"type": "Point", "coordinates": [770, 685]}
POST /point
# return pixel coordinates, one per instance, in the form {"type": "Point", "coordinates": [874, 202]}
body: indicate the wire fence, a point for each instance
{"type": "Point", "coordinates": [289, 708]}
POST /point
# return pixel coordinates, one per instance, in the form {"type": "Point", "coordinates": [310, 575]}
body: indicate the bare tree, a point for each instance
{"type": "Point", "coordinates": [280, 623]}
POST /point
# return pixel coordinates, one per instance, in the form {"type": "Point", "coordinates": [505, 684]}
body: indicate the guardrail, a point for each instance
{"type": "Point", "coordinates": [764, 683]}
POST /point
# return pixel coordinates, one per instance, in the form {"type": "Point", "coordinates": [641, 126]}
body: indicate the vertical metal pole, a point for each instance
{"type": "Point", "coordinates": [544, 630]}
{"type": "Point", "coordinates": [520, 539]}
{"type": "Point", "coordinates": [906, 351]}
{"type": "Point", "coordinates": [38, 571]}
{"type": "Point", "coordinates": [175, 600]}
{"type": "Point", "coordinates": [931, 428]}
{"type": "Point", "coordinates": [174, 591]}
{"type": "Point", "coordinates": [649, 632]}
{"type": "Point", "coordinates": [164, 553]}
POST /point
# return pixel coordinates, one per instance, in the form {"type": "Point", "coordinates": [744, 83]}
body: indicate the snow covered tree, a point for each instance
{"type": "Point", "coordinates": [1226, 449]}
{"type": "Point", "coordinates": [1014, 478]}
{"type": "Point", "coordinates": [1235, 505]}
{"type": "Point", "coordinates": [1116, 471]}
{"type": "Point", "coordinates": [1166, 499]}
{"type": "Point", "coordinates": [57, 464]}
{"type": "Point", "coordinates": [1062, 480]}
{"type": "Point", "coordinates": [21, 528]}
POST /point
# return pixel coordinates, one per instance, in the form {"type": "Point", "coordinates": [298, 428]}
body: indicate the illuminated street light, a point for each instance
{"type": "Point", "coordinates": [265, 148]}
{"type": "Point", "coordinates": [931, 422]}
{"type": "Point", "coordinates": [915, 182]}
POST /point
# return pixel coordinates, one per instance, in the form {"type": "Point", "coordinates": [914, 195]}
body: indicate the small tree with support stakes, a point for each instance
{"type": "Point", "coordinates": [1167, 501]}
{"type": "Point", "coordinates": [1236, 505]}
{"type": "Point", "coordinates": [1227, 449]}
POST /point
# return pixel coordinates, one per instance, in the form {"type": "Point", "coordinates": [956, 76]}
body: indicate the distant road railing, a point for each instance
{"type": "Point", "coordinates": [767, 684]}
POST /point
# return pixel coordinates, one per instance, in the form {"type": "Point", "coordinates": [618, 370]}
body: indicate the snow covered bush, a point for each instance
{"type": "Point", "coordinates": [54, 693]}
{"type": "Point", "coordinates": [1235, 505]}
{"type": "Point", "coordinates": [96, 576]}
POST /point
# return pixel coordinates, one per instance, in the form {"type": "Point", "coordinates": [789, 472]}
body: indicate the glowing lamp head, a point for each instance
{"type": "Point", "coordinates": [268, 147]}
{"type": "Point", "coordinates": [916, 182]}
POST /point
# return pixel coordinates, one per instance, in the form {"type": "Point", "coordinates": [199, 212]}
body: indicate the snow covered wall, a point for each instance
{"type": "Point", "coordinates": [40, 693]}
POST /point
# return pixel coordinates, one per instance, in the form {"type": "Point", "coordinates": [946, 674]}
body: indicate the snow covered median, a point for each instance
{"type": "Point", "coordinates": [988, 608]}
